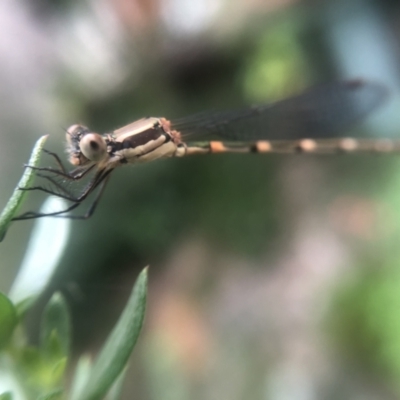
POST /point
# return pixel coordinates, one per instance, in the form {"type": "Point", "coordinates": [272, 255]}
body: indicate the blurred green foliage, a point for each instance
{"type": "Point", "coordinates": [365, 321]}
{"type": "Point", "coordinates": [38, 372]}
{"type": "Point", "coordinates": [279, 66]}
{"type": "Point", "coordinates": [366, 318]}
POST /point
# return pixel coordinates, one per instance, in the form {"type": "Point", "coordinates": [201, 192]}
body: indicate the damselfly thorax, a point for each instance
{"type": "Point", "coordinates": [141, 141]}
{"type": "Point", "coordinates": [306, 123]}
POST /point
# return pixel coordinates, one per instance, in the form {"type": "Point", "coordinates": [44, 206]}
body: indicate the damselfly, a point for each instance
{"type": "Point", "coordinates": [306, 123]}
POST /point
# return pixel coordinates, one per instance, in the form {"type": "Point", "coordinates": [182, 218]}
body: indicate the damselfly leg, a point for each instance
{"type": "Point", "coordinates": [73, 175]}
{"type": "Point", "coordinates": [57, 159]}
{"type": "Point", "coordinates": [59, 214]}
{"type": "Point", "coordinates": [100, 178]}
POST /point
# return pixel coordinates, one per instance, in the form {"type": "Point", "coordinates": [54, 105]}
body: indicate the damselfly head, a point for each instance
{"type": "Point", "coordinates": [73, 137]}
{"type": "Point", "coordinates": [84, 146]}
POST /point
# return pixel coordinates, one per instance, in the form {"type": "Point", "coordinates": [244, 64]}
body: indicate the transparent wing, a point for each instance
{"type": "Point", "coordinates": [321, 111]}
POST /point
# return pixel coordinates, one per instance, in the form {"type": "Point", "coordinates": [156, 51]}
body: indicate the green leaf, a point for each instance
{"type": "Point", "coordinates": [115, 392]}
{"type": "Point", "coordinates": [81, 376]}
{"type": "Point", "coordinates": [56, 394]}
{"type": "Point", "coordinates": [30, 362]}
{"type": "Point", "coordinates": [55, 328]}
{"type": "Point", "coordinates": [115, 353]}
{"type": "Point", "coordinates": [17, 197]}
{"type": "Point", "coordinates": [58, 369]}
{"type": "Point", "coordinates": [47, 243]}
{"type": "Point", "coordinates": [8, 319]}
{"type": "Point", "coordinates": [38, 374]}
{"type": "Point", "coordinates": [6, 396]}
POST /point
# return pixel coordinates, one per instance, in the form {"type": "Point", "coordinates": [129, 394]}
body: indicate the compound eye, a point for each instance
{"type": "Point", "coordinates": [75, 129]}
{"type": "Point", "coordinates": [93, 146]}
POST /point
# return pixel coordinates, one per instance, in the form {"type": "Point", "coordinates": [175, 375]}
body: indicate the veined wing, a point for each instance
{"type": "Point", "coordinates": [322, 111]}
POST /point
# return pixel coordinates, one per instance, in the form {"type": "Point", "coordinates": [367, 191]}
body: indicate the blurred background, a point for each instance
{"type": "Point", "coordinates": [271, 277]}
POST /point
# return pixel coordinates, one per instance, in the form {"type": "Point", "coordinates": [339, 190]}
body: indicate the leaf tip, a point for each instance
{"type": "Point", "coordinates": [144, 273]}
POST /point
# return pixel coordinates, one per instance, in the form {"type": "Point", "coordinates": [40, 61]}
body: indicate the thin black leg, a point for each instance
{"type": "Point", "coordinates": [57, 184]}
{"type": "Point", "coordinates": [58, 161]}
{"type": "Point", "coordinates": [73, 175]}
{"type": "Point", "coordinates": [92, 207]}
{"type": "Point", "coordinates": [101, 178]}
{"type": "Point", "coordinates": [89, 188]}
{"type": "Point", "coordinates": [34, 215]}
{"type": "Point", "coordinates": [52, 192]}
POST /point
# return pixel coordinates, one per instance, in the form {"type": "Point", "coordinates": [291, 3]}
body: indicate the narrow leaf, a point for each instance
{"type": "Point", "coordinates": [45, 248]}
{"type": "Point", "coordinates": [56, 323]}
{"type": "Point", "coordinates": [8, 319]}
{"type": "Point", "coordinates": [81, 376]}
{"type": "Point", "coordinates": [17, 197]}
{"type": "Point", "coordinates": [115, 353]}
{"type": "Point", "coordinates": [115, 392]}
